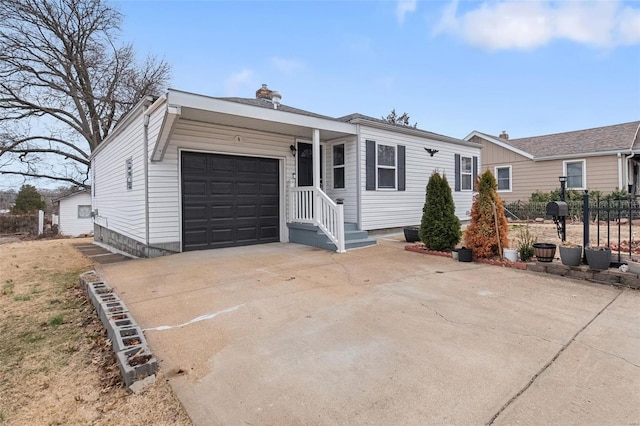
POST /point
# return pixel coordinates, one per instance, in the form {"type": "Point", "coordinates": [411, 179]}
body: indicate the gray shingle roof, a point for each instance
{"type": "Point", "coordinates": [618, 137]}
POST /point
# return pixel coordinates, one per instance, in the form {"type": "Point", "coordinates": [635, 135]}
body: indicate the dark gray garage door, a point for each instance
{"type": "Point", "coordinates": [229, 201]}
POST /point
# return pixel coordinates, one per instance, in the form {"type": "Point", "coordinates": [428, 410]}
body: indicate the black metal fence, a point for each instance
{"type": "Point", "coordinates": [612, 217]}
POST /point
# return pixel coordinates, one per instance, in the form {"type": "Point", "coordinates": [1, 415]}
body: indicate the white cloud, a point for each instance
{"type": "Point", "coordinates": [286, 66]}
{"type": "Point", "coordinates": [238, 81]}
{"type": "Point", "coordinates": [513, 24]}
{"type": "Point", "coordinates": [404, 7]}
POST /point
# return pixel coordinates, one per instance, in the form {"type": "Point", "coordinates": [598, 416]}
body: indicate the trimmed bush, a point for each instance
{"type": "Point", "coordinates": [480, 236]}
{"type": "Point", "coordinates": [440, 227]}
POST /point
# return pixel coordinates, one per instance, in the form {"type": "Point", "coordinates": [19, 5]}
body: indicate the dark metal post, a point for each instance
{"type": "Point", "coordinates": [563, 219]}
{"type": "Point", "coordinates": [585, 223]}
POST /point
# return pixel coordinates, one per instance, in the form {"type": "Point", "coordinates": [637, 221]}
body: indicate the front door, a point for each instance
{"type": "Point", "coordinates": [305, 164]}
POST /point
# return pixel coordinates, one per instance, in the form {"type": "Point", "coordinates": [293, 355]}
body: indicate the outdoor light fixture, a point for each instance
{"type": "Point", "coordinates": [293, 150]}
{"type": "Point", "coordinates": [562, 179]}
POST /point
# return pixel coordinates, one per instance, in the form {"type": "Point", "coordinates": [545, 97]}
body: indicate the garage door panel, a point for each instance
{"type": "Point", "coordinates": [218, 188]}
{"type": "Point", "coordinates": [231, 201]}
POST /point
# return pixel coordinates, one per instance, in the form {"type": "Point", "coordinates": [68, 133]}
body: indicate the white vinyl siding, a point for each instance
{"type": "Point", "coordinates": [119, 209]}
{"type": "Point", "coordinates": [391, 209]}
{"type": "Point", "coordinates": [69, 222]}
{"type": "Point", "coordinates": [503, 177]}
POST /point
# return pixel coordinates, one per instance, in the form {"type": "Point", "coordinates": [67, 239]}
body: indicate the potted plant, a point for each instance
{"type": "Point", "coordinates": [544, 251]}
{"type": "Point", "coordinates": [598, 257]}
{"type": "Point", "coordinates": [570, 254]}
{"type": "Point", "coordinates": [526, 239]}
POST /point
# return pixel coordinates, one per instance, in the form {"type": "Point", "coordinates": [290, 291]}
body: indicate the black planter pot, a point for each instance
{"type": "Point", "coordinates": [464, 254]}
{"type": "Point", "coordinates": [544, 252]}
{"type": "Point", "coordinates": [411, 234]}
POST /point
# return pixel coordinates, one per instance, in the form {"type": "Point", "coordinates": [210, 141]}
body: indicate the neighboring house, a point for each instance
{"type": "Point", "coordinates": [187, 172]}
{"type": "Point", "coordinates": [605, 159]}
{"type": "Point", "coordinates": [74, 218]}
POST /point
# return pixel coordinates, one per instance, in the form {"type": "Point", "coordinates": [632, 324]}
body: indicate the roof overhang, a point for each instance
{"type": "Point", "coordinates": [194, 107]}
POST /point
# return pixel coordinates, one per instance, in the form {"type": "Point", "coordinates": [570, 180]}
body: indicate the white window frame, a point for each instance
{"type": "Point", "coordinates": [339, 166]}
{"type": "Point", "coordinates": [381, 166]}
{"type": "Point", "coordinates": [584, 173]}
{"type": "Point", "coordinates": [495, 172]}
{"type": "Point", "coordinates": [463, 173]}
{"type": "Point", "coordinates": [85, 206]}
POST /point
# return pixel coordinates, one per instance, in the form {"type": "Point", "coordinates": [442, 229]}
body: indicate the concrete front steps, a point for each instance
{"type": "Point", "coordinates": [311, 235]}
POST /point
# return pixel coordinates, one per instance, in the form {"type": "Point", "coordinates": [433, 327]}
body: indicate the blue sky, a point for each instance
{"type": "Point", "coordinates": [527, 67]}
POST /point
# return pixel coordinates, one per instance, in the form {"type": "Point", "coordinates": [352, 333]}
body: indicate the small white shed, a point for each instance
{"type": "Point", "coordinates": [75, 214]}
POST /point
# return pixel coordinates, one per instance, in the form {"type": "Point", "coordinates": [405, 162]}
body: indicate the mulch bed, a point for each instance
{"type": "Point", "coordinates": [420, 248]}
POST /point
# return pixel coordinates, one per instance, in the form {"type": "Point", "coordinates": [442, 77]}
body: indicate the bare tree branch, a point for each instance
{"type": "Point", "coordinates": [62, 70]}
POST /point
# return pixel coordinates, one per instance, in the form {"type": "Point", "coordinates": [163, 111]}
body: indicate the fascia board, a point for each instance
{"type": "Point", "coordinates": [191, 100]}
{"type": "Point", "coordinates": [500, 144]}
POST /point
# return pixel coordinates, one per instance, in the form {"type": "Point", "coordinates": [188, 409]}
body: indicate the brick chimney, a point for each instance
{"type": "Point", "coordinates": [504, 135]}
{"type": "Point", "coordinates": [263, 93]}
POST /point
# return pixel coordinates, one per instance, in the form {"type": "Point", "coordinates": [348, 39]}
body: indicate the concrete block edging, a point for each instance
{"type": "Point", "coordinates": [136, 362]}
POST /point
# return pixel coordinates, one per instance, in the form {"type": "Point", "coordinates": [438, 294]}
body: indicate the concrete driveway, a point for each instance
{"type": "Point", "coordinates": [283, 334]}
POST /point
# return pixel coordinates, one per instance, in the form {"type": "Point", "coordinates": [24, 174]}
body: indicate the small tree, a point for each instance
{"type": "Point", "coordinates": [400, 120]}
{"type": "Point", "coordinates": [28, 200]}
{"type": "Point", "coordinates": [487, 214]}
{"type": "Point", "coordinates": [440, 227]}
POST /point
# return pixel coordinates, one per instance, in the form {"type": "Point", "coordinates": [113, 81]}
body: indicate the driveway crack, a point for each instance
{"type": "Point", "coordinates": [610, 354]}
{"type": "Point", "coordinates": [555, 357]}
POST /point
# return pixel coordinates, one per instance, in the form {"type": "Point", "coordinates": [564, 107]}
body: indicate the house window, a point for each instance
{"type": "Point", "coordinates": [466, 173]}
{"type": "Point", "coordinates": [84, 212]}
{"type": "Point", "coordinates": [386, 165]}
{"type": "Point", "coordinates": [129, 169]}
{"type": "Point", "coordinates": [503, 176]}
{"type": "Point", "coordinates": [575, 171]}
{"type": "Point", "coordinates": [338, 166]}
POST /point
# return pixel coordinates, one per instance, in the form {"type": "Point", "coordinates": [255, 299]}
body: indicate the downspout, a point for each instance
{"type": "Point", "coordinates": [620, 171]}
{"type": "Point", "coordinates": [145, 140]}
{"type": "Point", "coordinates": [358, 180]}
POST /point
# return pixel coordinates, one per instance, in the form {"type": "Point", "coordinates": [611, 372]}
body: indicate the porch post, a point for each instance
{"type": "Point", "coordinates": [316, 175]}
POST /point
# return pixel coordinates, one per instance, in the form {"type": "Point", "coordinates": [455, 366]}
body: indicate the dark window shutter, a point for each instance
{"type": "Point", "coordinates": [401, 168]}
{"type": "Point", "coordinates": [475, 173]}
{"type": "Point", "coordinates": [371, 166]}
{"type": "Point", "coordinates": [457, 168]}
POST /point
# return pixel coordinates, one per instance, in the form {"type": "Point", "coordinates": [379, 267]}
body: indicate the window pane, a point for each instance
{"type": "Point", "coordinates": [386, 155]}
{"type": "Point", "coordinates": [574, 175]}
{"type": "Point", "coordinates": [338, 177]}
{"type": "Point", "coordinates": [503, 179]}
{"type": "Point", "coordinates": [84, 212]}
{"type": "Point", "coordinates": [386, 178]}
{"type": "Point", "coordinates": [338, 155]}
{"type": "Point", "coordinates": [465, 182]}
{"type": "Point", "coordinates": [465, 165]}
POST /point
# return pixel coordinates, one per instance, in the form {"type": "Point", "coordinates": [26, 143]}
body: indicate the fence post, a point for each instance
{"type": "Point", "coordinates": [585, 224]}
{"type": "Point", "coordinates": [40, 222]}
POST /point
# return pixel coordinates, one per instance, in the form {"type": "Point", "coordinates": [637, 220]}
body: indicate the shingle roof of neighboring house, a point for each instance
{"type": "Point", "coordinates": [618, 137]}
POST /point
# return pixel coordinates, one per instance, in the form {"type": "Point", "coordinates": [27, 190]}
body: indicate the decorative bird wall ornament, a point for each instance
{"type": "Point", "coordinates": [431, 151]}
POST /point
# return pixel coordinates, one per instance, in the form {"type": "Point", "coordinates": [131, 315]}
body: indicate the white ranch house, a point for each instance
{"type": "Point", "coordinates": [188, 172]}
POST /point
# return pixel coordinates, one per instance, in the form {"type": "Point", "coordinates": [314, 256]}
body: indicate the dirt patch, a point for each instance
{"type": "Point", "coordinates": [56, 364]}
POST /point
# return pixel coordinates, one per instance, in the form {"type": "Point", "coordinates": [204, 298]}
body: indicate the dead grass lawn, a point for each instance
{"type": "Point", "coordinates": [56, 365]}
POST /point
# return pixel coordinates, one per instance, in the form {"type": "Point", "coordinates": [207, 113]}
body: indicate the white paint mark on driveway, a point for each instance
{"type": "Point", "coordinates": [198, 319]}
